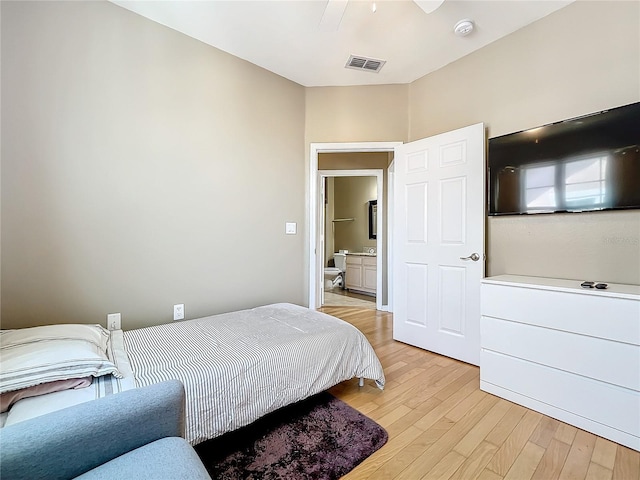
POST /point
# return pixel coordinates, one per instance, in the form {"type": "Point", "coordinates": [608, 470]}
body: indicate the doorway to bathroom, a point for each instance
{"type": "Point", "coordinates": [344, 157]}
{"type": "Point", "coordinates": [353, 260]}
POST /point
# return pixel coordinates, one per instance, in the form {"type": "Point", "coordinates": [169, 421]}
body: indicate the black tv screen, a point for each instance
{"type": "Point", "coordinates": [582, 164]}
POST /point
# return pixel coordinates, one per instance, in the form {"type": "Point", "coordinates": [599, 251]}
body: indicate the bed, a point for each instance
{"type": "Point", "coordinates": [236, 367]}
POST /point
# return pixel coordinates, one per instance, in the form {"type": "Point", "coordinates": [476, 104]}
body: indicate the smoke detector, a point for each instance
{"type": "Point", "coordinates": [463, 28]}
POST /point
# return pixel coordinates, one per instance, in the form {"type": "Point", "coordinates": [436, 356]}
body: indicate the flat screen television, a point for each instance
{"type": "Point", "coordinates": [587, 163]}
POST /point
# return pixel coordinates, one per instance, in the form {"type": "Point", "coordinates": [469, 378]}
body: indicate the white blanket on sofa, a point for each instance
{"type": "Point", "coordinates": [100, 387]}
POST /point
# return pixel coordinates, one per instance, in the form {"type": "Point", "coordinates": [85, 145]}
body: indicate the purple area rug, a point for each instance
{"type": "Point", "coordinates": [319, 438]}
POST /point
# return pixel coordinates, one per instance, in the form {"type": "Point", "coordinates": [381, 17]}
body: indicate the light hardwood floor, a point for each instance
{"type": "Point", "coordinates": [442, 426]}
{"type": "Point", "coordinates": [342, 298]}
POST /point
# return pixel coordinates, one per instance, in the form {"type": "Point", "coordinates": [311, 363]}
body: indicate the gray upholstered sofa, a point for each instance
{"type": "Point", "coordinates": [134, 434]}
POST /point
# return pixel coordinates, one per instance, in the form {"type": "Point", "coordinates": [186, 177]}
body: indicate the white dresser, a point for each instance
{"type": "Point", "coordinates": [565, 351]}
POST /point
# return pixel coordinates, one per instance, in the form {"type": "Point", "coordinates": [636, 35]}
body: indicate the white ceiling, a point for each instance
{"type": "Point", "coordinates": [286, 38]}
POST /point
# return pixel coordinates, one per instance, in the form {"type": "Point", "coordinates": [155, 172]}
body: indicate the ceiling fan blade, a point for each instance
{"type": "Point", "coordinates": [429, 5]}
{"type": "Point", "coordinates": [333, 15]}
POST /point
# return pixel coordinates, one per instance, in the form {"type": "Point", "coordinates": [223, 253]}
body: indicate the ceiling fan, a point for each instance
{"type": "Point", "coordinates": [334, 10]}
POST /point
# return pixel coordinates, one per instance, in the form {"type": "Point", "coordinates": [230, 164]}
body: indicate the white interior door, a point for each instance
{"type": "Point", "coordinates": [439, 242]}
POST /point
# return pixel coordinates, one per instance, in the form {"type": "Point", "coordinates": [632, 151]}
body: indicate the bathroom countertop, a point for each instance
{"type": "Point", "coordinates": [362, 254]}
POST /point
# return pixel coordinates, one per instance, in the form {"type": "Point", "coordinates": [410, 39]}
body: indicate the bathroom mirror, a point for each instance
{"type": "Point", "coordinates": [373, 219]}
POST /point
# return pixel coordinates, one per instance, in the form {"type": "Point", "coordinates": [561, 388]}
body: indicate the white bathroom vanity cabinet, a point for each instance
{"type": "Point", "coordinates": [362, 273]}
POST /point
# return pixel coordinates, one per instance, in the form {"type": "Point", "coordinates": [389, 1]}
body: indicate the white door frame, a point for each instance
{"type": "Point", "coordinates": [315, 260]}
{"type": "Point", "coordinates": [377, 174]}
{"type": "Point", "coordinates": [390, 237]}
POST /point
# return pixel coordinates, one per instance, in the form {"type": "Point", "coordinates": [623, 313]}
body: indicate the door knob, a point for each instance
{"type": "Point", "coordinates": [474, 256]}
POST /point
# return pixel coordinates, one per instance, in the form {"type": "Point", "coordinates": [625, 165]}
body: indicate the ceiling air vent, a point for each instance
{"type": "Point", "coordinates": [364, 63]}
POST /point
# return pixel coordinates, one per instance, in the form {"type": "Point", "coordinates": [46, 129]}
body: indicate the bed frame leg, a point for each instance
{"type": "Point", "coordinates": [361, 382]}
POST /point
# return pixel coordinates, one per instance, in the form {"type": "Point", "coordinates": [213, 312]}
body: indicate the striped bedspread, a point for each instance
{"type": "Point", "coordinates": [239, 366]}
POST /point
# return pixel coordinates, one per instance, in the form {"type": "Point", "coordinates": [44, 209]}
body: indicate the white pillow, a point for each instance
{"type": "Point", "coordinates": [31, 356]}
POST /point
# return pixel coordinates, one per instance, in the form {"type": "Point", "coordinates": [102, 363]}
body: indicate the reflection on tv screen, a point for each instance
{"type": "Point", "coordinates": [584, 164]}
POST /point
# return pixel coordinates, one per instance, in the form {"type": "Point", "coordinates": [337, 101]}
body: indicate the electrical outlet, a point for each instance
{"type": "Point", "coordinates": [113, 321]}
{"type": "Point", "coordinates": [178, 311]}
{"type": "Point", "coordinates": [290, 228]}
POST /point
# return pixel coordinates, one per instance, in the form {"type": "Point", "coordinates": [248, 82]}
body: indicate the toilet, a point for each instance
{"type": "Point", "coordinates": [334, 276]}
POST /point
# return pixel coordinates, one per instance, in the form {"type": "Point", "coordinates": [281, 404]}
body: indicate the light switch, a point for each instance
{"type": "Point", "coordinates": [290, 228]}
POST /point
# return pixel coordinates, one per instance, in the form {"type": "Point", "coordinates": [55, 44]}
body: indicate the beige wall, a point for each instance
{"type": "Point", "coordinates": [351, 196]}
{"type": "Point", "coordinates": [581, 59]}
{"type": "Point", "coordinates": [142, 168]}
{"type": "Point", "coordinates": [356, 114]}
{"type": "Point", "coordinates": [354, 160]}
{"type": "Point", "coordinates": [584, 58]}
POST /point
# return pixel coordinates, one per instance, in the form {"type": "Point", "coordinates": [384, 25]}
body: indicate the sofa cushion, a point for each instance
{"type": "Point", "coordinates": [69, 442]}
{"type": "Point", "coordinates": [170, 457]}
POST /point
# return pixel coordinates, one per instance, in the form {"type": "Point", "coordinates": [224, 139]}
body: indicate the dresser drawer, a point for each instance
{"type": "Point", "coordinates": [605, 360]}
{"type": "Point", "coordinates": [587, 314]}
{"type": "Point", "coordinates": [599, 402]}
